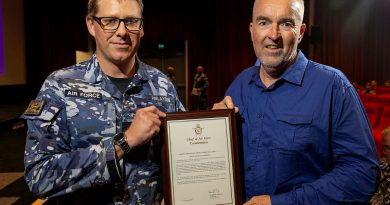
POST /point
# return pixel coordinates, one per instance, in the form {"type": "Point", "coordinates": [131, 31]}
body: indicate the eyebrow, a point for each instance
{"type": "Point", "coordinates": [259, 18]}
{"type": "Point", "coordinates": [287, 19]}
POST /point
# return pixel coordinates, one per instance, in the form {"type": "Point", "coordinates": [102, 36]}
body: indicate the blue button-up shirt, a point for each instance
{"type": "Point", "coordinates": [306, 138]}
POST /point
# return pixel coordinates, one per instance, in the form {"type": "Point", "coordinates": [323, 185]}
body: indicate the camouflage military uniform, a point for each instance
{"type": "Point", "coordinates": [69, 149]}
{"type": "Point", "coordinates": [382, 194]}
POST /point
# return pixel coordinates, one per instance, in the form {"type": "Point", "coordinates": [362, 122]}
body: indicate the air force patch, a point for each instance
{"type": "Point", "coordinates": [35, 107]}
{"type": "Point", "coordinates": [80, 94]}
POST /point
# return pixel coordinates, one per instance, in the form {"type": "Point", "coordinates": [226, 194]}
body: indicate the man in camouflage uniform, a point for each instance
{"type": "Point", "coordinates": [93, 130]}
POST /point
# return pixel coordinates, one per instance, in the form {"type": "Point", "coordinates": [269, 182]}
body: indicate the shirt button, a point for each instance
{"type": "Point", "coordinates": [253, 141]}
{"type": "Point", "coordinates": [249, 168]}
{"type": "Point", "coordinates": [259, 115]}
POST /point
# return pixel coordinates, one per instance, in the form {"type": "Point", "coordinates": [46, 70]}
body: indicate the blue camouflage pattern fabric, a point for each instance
{"type": "Point", "coordinates": [70, 141]}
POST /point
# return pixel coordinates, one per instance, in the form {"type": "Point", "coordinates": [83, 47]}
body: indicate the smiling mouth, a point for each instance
{"type": "Point", "coordinates": [273, 47]}
{"type": "Point", "coordinates": [121, 45]}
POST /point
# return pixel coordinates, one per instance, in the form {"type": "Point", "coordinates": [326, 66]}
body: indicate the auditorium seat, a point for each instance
{"type": "Point", "coordinates": [372, 110]}
{"type": "Point", "coordinates": [371, 98]}
{"type": "Point", "coordinates": [384, 121]}
{"type": "Point", "coordinates": [363, 97]}
{"type": "Point", "coordinates": [385, 91]}
{"type": "Point", "coordinates": [384, 100]}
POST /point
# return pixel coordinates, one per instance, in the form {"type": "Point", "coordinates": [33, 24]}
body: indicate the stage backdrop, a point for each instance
{"type": "Point", "coordinates": [12, 47]}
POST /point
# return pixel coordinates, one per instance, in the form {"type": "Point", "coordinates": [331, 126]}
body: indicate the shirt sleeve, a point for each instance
{"type": "Point", "coordinates": [354, 173]}
{"type": "Point", "coordinates": [52, 167]}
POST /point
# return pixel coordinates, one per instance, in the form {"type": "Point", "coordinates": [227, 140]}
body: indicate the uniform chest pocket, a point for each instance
{"type": "Point", "coordinates": [163, 103]}
{"type": "Point", "coordinates": [89, 120]}
{"type": "Point", "coordinates": [295, 131]}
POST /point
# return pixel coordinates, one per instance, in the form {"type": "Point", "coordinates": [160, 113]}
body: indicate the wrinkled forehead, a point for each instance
{"type": "Point", "coordinates": [279, 9]}
{"type": "Point", "coordinates": [122, 8]}
{"type": "Point", "coordinates": [102, 5]}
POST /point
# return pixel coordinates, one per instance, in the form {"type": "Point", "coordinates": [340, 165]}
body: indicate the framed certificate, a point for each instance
{"type": "Point", "coordinates": [200, 159]}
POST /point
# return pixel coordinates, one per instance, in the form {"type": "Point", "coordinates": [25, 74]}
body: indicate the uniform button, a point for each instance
{"type": "Point", "coordinates": [253, 141]}
{"type": "Point", "coordinates": [259, 115]}
{"type": "Point", "coordinates": [249, 168]}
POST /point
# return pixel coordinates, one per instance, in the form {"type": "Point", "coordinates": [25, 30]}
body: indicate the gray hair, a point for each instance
{"type": "Point", "coordinates": [93, 6]}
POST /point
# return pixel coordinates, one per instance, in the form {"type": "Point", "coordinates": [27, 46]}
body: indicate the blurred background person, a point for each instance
{"type": "Point", "coordinates": [199, 89]}
{"type": "Point", "coordinates": [356, 86]}
{"type": "Point", "coordinates": [369, 89]}
{"type": "Point", "coordinates": [171, 74]}
{"type": "Point", "coordinates": [387, 84]}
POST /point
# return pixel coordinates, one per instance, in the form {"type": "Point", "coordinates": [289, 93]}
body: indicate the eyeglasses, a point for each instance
{"type": "Point", "coordinates": [112, 23]}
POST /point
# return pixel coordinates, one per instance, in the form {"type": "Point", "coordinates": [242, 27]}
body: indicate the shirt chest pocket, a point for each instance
{"type": "Point", "coordinates": [294, 132]}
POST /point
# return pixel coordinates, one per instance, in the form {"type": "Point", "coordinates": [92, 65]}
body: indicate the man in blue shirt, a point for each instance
{"type": "Point", "coordinates": [93, 130]}
{"type": "Point", "coordinates": [306, 138]}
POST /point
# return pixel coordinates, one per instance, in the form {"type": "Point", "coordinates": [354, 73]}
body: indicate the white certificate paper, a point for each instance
{"type": "Point", "coordinates": [200, 161]}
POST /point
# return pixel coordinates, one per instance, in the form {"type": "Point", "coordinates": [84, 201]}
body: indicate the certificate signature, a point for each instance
{"type": "Point", "coordinates": [214, 193]}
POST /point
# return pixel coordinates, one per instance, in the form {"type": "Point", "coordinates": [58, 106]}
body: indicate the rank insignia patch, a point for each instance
{"type": "Point", "coordinates": [35, 107]}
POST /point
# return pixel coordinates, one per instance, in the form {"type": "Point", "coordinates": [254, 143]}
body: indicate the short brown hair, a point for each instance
{"type": "Point", "coordinates": [93, 6]}
{"type": "Point", "coordinates": [386, 131]}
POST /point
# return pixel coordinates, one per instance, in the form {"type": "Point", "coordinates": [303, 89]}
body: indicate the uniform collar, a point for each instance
{"type": "Point", "coordinates": [94, 73]}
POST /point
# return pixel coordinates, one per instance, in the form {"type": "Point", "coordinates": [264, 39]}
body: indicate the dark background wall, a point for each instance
{"type": "Point", "coordinates": [351, 35]}
{"type": "Point", "coordinates": [355, 37]}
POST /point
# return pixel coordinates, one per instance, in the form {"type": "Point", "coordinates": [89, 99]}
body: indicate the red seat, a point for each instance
{"type": "Point", "coordinates": [371, 98]}
{"type": "Point", "coordinates": [385, 91]}
{"type": "Point", "coordinates": [384, 121]}
{"type": "Point", "coordinates": [372, 110]}
{"type": "Point", "coordinates": [360, 88]}
{"type": "Point", "coordinates": [384, 100]}
{"type": "Point", "coordinates": [363, 97]}
{"type": "Point", "coordinates": [377, 134]}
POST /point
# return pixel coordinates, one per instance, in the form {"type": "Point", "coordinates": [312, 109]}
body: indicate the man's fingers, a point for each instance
{"type": "Point", "coordinates": [228, 102]}
{"type": "Point", "coordinates": [155, 110]}
{"type": "Point", "coordinates": [161, 114]}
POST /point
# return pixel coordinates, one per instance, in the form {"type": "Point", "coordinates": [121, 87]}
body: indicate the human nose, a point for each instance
{"type": "Point", "coordinates": [121, 28]}
{"type": "Point", "coordinates": [274, 32]}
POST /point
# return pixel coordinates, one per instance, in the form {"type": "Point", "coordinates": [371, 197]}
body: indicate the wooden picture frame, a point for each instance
{"type": "Point", "coordinates": [200, 160]}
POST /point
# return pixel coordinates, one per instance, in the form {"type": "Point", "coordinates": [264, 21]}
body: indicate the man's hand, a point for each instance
{"type": "Point", "coordinates": [226, 103]}
{"type": "Point", "coordinates": [145, 125]}
{"type": "Point", "coordinates": [259, 200]}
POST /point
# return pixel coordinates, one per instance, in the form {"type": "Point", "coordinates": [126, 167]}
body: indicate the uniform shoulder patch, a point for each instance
{"type": "Point", "coordinates": [35, 107]}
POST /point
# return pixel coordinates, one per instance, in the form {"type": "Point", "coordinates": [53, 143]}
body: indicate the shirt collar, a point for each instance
{"type": "Point", "coordinates": [294, 74]}
{"type": "Point", "coordinates": [296, 71]}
